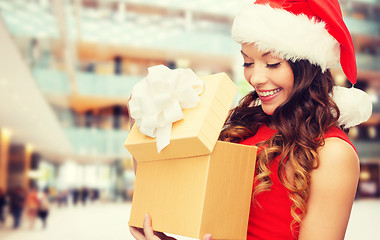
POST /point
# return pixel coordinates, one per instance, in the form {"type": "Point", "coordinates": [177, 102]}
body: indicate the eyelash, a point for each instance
{"type": "Point", "coordinates": [275, 65]}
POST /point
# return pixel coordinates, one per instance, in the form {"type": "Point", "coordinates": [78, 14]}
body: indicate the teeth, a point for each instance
{"type": "Point", "coordinates": [265, 94]}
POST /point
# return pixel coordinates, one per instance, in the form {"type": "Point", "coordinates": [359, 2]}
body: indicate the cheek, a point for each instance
{"type": "Point", "coordinates": [247, 76]}
{"type": "Point", "coordinates": [288, 80]}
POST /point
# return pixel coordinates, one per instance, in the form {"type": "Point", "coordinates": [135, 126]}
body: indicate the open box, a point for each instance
{"type": "Point", "coordinates": [196, 184]}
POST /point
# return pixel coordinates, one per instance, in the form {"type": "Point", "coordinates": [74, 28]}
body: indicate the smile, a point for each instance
{"type": "Point", "coordinates": [268, 93]}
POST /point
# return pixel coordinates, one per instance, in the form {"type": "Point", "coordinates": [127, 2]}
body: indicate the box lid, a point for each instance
{"type": "Point", "coordinates": [198, 132]}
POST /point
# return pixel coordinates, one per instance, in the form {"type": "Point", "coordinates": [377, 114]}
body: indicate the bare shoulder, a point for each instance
{"type": "Point", "coordinates": [339, 162]}
{"type": "Point", "coordinates": [338, 154]}
{"type": "Point", "coordinates": [332, 191]}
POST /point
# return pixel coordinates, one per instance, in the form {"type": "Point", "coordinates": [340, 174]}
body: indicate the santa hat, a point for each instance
{"type": "Point", "coordinates": [313, 30]}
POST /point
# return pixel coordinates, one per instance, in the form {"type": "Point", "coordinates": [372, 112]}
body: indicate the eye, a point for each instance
{"type": "Point", "coordinates": [275, 65]}
{"type": "Point", "coordinates": [247, 64]}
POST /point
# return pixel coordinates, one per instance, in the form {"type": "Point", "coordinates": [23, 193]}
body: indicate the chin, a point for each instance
{"type": "Point", "coordinates": [268, 110]}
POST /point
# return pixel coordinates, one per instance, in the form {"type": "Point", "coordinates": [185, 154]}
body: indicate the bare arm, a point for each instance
{"type": "Point", "coordinates": [332, 192]}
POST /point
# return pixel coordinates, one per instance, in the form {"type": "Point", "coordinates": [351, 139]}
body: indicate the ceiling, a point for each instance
{"type": "Point", "coordinates": [101, 23]}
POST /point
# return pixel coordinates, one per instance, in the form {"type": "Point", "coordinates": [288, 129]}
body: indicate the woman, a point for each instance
{"type": "Point", "coordinates": [16, 204]}
{"type": "Point", "coordinates": [296, 181]}
{"type": "Point", "coordinates": [3, 203]}
{"type": "Point", "coordinates": [307, 169]}
{"type": "Point", "coordinates": [31, 205]}
{"type": "Point", "coordinates": [43, 206]}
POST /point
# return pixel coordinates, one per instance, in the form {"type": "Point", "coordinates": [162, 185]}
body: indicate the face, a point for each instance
{"type": "Point", "coordinates": [271, 77]}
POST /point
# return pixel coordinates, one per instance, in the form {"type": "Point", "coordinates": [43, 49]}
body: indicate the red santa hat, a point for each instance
{"type": "Point", "coordinates": [301, 29]}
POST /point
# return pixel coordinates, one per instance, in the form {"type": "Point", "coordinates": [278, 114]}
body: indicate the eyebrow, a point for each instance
{"type": "Point", "coordinates": [264, 54]}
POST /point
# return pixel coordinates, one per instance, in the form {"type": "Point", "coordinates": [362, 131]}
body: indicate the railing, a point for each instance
{"type": "Point", "coordinates": [106, 85]}
{"type": "Point", "coordinates": [98, 142]}
{"type": "Point", "coordinates": [362, 26]}
{"type": "Point", "coordinates": [54, 81]}
{"type": "Point", "coordinates": [368, 62]}
{"type": "Point", "coordinates": [367, 149]}
{"type": "Point", "coordinates": [226, 8]}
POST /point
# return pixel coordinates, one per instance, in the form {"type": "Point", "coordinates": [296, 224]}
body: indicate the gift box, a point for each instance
{"type": "Point", "coordinates": [196, 184]}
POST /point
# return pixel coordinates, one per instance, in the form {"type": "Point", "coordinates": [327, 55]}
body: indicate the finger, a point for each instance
{"type": "Point", "coordinates": [148, 230]}
{"type": "Point", "coordinates": [136, 233]}
{"type": "Point", "coordinates": [207, 236]}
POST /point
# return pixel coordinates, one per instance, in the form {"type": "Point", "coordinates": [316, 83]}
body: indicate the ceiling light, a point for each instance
{"type": "Point", "coordinates": [6, 132]}
{"type": "Point", "coordinates": [29, 147]}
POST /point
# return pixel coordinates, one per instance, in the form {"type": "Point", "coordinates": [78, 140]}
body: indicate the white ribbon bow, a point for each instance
{"type": "Point", "coordinates": [157, 100]}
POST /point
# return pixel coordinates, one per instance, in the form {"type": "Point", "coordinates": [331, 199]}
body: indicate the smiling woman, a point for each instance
{"type": "Point", "coordinates": [293, 118]}
{"type": "Point", "coordinates": [307, 169]}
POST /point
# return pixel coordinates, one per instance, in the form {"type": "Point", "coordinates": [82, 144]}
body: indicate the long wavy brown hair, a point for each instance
{"type": "Point", "coordinates": [301, 122]}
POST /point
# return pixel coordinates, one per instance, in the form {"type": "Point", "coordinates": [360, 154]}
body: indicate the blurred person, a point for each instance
{"type": "Point", "coordinates": [44, 206]}
{"type": "Point", "coordinates": [91, 194]}
{"type": "Point", "coordinates": [31, 206]}
{"type": "Point", "coordinates": [3, 203]}
{"type": "Point", "coordinates": [62, 198]}
{"type": "Point", "coordinates": [52, 194]}
{"type": "Point", "coordinates": [307, 169]}
{"type": "Point", "coordinates": [95, 194]}
{"type": "Point", "coordinates": [76, 194]}
{"type": "Point", "coordinates": [84, 195]}
{"type": "Point", "coordinates": [16, 202]}
{"type": "Point", "coordinates": [65, 197]}
{"type": "Point", "coordinates": [35, 52]}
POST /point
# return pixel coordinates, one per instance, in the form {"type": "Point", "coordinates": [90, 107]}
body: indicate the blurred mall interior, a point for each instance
{"type": "Point", "coordinates": [67, 68]}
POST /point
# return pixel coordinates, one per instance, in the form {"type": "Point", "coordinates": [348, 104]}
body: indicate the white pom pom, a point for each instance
{"type": "Point", "coordinates": [354, 104]}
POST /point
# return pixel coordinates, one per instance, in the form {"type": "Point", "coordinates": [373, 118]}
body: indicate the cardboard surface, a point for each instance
{"type": "Point", "coordinates": [197, 195]}
{"type": "Point", "coordinates": [196, 185]}
{"type": "Point", "coordinates": [198, 132]}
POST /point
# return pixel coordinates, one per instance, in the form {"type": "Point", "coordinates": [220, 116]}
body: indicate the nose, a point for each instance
{"type": "Point", "coordinates": [256, 76]}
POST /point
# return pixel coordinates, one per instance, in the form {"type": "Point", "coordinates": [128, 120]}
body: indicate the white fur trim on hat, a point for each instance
{"type": "Point", "coordinates": [288, 36]}
{"type": "Point", "coordinates": [355, 106]}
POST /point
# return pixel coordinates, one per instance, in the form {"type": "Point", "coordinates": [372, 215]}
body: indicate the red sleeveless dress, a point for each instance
{"type": "Point", "coordinates": [269, 217]}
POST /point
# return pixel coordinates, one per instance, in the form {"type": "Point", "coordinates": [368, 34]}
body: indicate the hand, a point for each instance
{"type": "Point", "coordinates": [148, 234]}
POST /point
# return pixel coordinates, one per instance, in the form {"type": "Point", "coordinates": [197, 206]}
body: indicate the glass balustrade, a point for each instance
{"type": "Point", "coordinates": [367, 149]}
{"type": "Point", "coordinates": [98, 142]}
{"type": "Point", "coordinates": [368, 62]}
{"type": "Point", "coordinates": [54, 81]}
{"type": "Point", "coordinates": [362, 26]}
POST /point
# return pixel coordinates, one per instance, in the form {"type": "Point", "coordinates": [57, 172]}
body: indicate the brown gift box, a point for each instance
{"type": "Point", "coordinates": [196, 184]}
